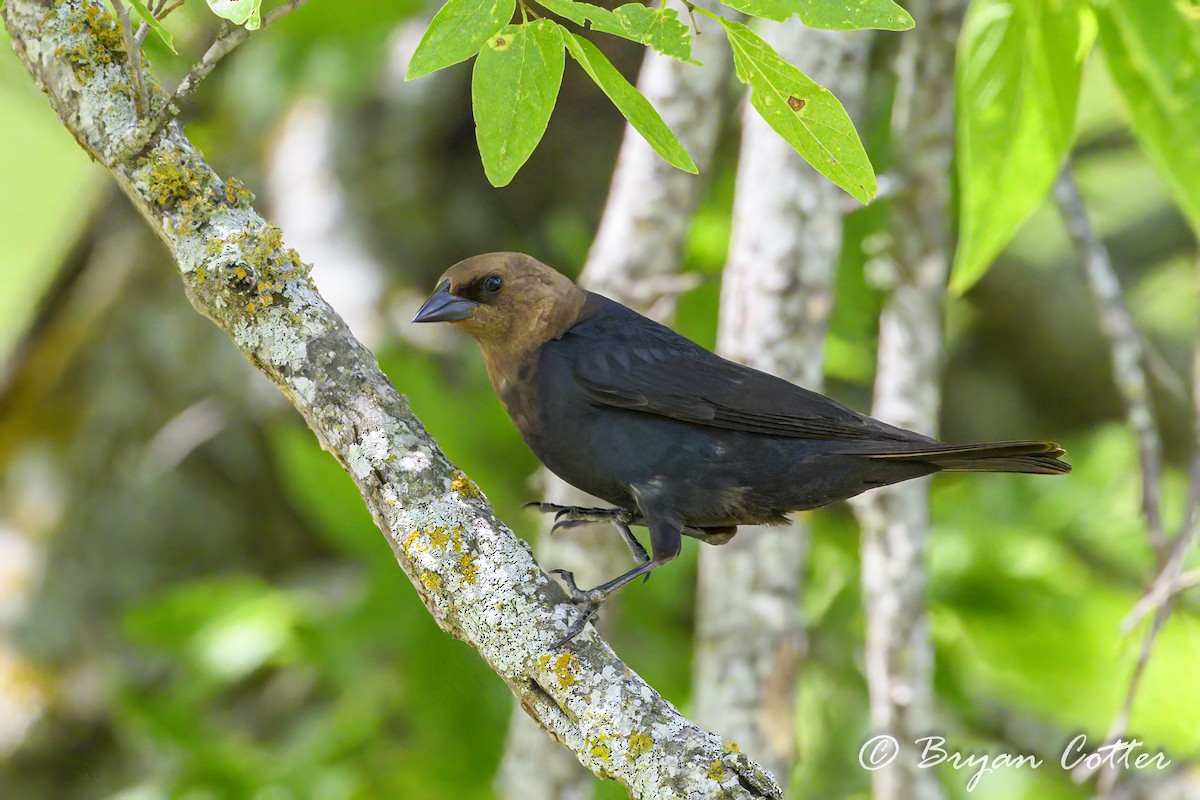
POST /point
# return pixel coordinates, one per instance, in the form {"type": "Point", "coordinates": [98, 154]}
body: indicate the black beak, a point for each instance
{"type": "Point", "coordinates": [445, 307]}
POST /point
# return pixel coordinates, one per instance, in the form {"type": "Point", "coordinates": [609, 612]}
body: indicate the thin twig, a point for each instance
{"type": "Point", "coordinates": [1128, 351]}
{"type": "Point", "coordinates": [133, 46]}
{"type": "Point", "coordinates": [225, 42]}
{"type": "Point", "coordinates": [228, 39]}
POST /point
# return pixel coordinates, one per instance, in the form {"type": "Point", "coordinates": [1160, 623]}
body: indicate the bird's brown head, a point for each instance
{"type": "Point", "coordinates": [509, 300]}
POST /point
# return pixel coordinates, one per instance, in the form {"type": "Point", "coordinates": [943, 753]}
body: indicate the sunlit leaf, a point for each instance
{"type": "Point", "coordinates": [1019, 66]}
{"type": "Point", "coordinates": [629, 101]}
{"type": "Point", "coordinates": [239, 12]}
{"type": "Point", "coordinates": [805, 114]}
{"type": "Point", "coordinates": [513, 89]}
{"type": "Point", "coordinates": [831, 16]}
{"type": "Point", "coordinates": [1152, 50]}
{"type": "Point", "coordinates": [457, 32]}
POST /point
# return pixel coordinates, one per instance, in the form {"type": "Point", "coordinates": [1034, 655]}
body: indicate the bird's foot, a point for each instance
{"type": "Point", "coordinates": [566, 517]}
{"type": "Point", "coordinates": [588, 602]}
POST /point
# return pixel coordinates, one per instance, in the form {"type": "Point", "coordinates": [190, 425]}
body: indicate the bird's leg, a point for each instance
{"type": "Point", "coordinates": [573, 516]}
{"type": "Point", "coordinates": [665, 541]}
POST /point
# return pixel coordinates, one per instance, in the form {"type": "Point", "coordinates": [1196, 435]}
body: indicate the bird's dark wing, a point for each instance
{"type": "Point", "coordinates": [624, 360]}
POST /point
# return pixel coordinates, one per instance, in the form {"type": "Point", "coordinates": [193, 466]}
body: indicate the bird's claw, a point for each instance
{"type": "Point", "coordinates": [588, 601]}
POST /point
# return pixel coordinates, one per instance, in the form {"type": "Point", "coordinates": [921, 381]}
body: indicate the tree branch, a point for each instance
{"type": "Point", "coordinates": [1128, 351]}
{"type": "Point", "coordinates": [479, 581]}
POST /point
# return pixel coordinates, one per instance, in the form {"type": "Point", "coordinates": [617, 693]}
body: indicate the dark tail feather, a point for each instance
{"type": "Point", "coordinates": [1040, 458]}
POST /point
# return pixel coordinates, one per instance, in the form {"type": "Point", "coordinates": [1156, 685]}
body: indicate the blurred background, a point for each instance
{"type": "Point", "coordinates": [195, 604]}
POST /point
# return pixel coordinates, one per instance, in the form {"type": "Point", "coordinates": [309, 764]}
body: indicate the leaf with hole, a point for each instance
{"type": "Point", "coordinates": [805, 114]}
{"type": "Point", "coordinates": [457, 32]}
{"type": "Point", "coordinates": [513, 89]}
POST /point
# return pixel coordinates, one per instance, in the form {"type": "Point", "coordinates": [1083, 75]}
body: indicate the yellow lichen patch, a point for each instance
{"type": "Point", "coordinates": [470, 570]}
{"type": "Point", "coordinates": [439, 539]}
{"type": "Point", "coordinates": [638, 743]}
{"type": "Point", "coordinates": [236, 193]}
{"type": "Point", "coordinates": [410, 541]}
{"type": "Point", "coordinates": [172, 181]}
{"type": "Point", "coordinates": [99, 42]}
{"type": "Point", "coordinates": [431, 581]}
{"type": "Point", "coordinates": [600, 750]}
{"type": "Point", "coordinates": [460, 483]}
{"type": "Point", "coordinates": [564, 670]}
{"type": "Point", "coordinates": [716, 771]}
{"type": "Point", "coordinates": [544, 660]}
{"type": "Point", "coordinates": [730, 746]}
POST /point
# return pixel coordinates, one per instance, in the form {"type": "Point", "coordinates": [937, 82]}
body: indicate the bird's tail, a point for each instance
{"type": "Point", "coordinates": [1040, 458]}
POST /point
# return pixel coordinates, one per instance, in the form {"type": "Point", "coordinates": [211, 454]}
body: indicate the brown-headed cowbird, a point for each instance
{"type": "Point", "coordinates": [677, 438]}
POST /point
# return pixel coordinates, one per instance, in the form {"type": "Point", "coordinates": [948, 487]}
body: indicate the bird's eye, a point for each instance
{"type": "Point", "coordinates": [492, 283]}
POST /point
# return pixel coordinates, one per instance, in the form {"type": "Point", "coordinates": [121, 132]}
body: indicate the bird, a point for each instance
{"type": "Point", "coordinates": [676, 438]}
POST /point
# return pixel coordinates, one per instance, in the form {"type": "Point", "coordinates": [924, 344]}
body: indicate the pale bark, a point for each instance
{"type": "Point", "coordinates": [478, 581]}
{"type": "Point", "coordinates": [307, 197]}
{"type": "Point", "coordinates": [895, 519]}
{"type": "Point", "coordinates": [633, 260]}
{"type": "Point", "coordinates": [776, 296]}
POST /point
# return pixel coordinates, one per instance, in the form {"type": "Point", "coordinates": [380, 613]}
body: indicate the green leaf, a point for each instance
{"type": "Point", "coordinates": [155, 25]}
{"type": "Point", "coordinates": [239, 12]}
{"type": "Point", "coordinates": [659, 28]}
{"type": "Point", "coordinates": [513, 89]}
{"type": "Point", "coordinates": [457, 32]}
{"type": "Point", "coordinates": [805, 114]}
{"type": "Point", "coordinates": [1152, 49]}
{"type": "Point", "coordinates": [1017, 84]}
{"type": "Point", "coordinates": [629, 101]}
{"type": "Point", "coordinates": [831, 16]}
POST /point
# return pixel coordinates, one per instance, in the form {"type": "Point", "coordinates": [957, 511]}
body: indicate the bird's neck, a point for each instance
{"type": "Point", "coordinates": [511, 358]}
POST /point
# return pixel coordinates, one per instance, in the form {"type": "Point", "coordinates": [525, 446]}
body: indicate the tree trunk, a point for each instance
{"type": "Point", "coordinates": [895, 519]}
{"type": "Point", "coordinates": [775, 303]}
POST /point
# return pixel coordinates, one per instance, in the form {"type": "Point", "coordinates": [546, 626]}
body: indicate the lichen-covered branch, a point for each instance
{"type": "Point", "coordinates": [635, 260]}
{"type": "Point", "coordinates": [776, 296]}
{"type": "Point", "coordinates": [479, 581]}
{"type": "Point", "coordinates": [895, 519]}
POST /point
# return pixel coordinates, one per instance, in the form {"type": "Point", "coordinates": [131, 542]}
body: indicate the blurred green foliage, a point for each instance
{"type": "Point", "coordinates": [232, 625]}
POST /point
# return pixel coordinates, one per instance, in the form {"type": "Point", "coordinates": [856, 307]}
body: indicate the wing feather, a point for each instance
{"type": "Point", "coordinates": [621, 359]}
